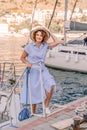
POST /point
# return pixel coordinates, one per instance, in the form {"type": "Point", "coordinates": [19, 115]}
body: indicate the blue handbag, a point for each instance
{"type": "Point", "coordinates": [24, 114]}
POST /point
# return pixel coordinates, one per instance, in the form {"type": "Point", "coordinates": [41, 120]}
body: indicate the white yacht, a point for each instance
{"type": "Point", "coordinates": [73, 54]}
{"type": "Point", "coordinates": [70, 57]}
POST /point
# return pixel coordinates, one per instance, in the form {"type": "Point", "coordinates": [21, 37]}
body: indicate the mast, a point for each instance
{"type": "Point", "coordinates": [65, 18]}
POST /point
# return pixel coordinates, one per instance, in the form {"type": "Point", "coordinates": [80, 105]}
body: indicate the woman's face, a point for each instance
{"type": "Point", "coordinates": [39, 36]}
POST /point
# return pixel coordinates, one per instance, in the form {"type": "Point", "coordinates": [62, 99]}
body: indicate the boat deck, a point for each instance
{"type": "Point", "coordinates": [45, 123]}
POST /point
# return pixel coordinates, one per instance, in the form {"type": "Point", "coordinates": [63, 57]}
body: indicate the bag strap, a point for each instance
{"type": "Point", "coordinates": [27, 74]}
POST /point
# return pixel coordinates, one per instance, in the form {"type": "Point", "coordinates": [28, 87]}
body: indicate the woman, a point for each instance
{"type": "Point", "coordinates": [34, 55]}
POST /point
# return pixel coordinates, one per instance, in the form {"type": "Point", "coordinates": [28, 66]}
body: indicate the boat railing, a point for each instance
{"type": "Point", "coordinates": [13, 105]}
{"type": "Point", "coordinates": [13, 98]}
{"type": "Point", "coordinates": [7, 74]}
{"type": "Point", "coordinates": [10, 78]}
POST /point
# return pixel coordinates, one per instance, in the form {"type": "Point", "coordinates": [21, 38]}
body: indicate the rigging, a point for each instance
{"type": "Point", "coordinates": [53, 13]}
{"type": "Point", "coordinates": [33, 13]}
{"type": "Point", "coordinates": [73, 9]}
{"type": "Point", "coordinates": [33, 17]}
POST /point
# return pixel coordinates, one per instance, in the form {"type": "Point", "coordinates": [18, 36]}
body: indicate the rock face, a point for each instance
{"type": "Point", "coordinates": [23, 5]}
{"type": "Point", "coordinates": [27, 5]}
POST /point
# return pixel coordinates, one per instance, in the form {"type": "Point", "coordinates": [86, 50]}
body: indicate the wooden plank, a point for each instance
{"type": "Point", "coordinates": [63, 124]}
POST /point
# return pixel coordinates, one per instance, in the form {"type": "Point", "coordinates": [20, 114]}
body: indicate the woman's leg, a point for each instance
{"type": "Point", "coordinates": [33, 108]}
{"type": "Point", "coordinates": [48, 97]}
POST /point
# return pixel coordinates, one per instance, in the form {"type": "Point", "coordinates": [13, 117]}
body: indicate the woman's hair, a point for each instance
{"type": "Point", "coordinates": [45, 37]}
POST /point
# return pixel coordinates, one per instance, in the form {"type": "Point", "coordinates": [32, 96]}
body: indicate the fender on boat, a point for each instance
{"type": "Point", "coordinates": [67, 57]}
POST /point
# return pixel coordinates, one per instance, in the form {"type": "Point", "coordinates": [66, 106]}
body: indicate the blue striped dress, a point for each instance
{"type": "Point", "coordinates": [36, 56]}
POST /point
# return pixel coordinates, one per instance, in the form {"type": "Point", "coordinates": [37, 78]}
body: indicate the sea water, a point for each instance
{"type": "Point", "coordinates": [70, 85]}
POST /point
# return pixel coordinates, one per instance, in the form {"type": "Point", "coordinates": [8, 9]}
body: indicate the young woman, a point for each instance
{"type": "Point", "coordinates": [34, 55]}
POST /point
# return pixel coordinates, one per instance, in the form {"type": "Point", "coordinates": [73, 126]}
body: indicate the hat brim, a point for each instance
{"type": "Point", "coordinates": [33, 31]}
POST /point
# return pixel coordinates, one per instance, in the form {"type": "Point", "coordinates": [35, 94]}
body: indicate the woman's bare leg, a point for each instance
{"type": "Point", "coordinates": [33, 108]}
{"type": "Point", "coordinates": [49, 95]}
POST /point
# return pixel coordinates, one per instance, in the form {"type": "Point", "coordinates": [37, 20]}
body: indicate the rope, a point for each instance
{"type": "Point", "coordinates": [53, 13]}
{"type": "Point", "coordinates": [0, 72]}
{"type": "Point", "coordinates": [33, 13]}
{"type": "Point", "coordinates": [73, 9]}
{"type": "Point", "coordinates": [33, 17]}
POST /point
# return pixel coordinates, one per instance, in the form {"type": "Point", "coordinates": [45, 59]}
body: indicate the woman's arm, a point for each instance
{"type": "Point", "coordinates": [24, 60]}
{"type": "Point", "coordinates": [55, 42]}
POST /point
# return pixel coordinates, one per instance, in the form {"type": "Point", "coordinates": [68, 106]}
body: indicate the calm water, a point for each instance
{"type": "Point", "coordinates": [70, 85]}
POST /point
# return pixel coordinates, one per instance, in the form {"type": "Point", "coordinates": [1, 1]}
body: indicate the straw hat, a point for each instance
{"type": "Point", "coordinates": [39, 28]}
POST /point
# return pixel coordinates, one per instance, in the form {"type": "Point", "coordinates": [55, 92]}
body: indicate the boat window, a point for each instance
{"type": "Point", "coordinates": [65, 51]}
{"type": "Point", "coordinates": [75, 52]}
{"type": "Point", "coordinates": [80, 53]}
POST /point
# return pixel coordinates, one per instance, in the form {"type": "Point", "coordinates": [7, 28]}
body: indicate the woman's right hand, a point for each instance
{"type": "Point", "coordinates": [29, 65]}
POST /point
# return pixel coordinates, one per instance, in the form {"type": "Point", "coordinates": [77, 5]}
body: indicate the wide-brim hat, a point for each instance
{"type": "Point", "coordinates": [39, 28]}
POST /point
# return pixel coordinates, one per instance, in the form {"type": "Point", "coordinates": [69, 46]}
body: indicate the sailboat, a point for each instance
{"type": "Point", "coordinates": [73, 54]}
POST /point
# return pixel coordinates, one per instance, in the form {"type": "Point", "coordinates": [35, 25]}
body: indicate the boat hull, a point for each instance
{"type": "Point", "coordinates": [72, 58]}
